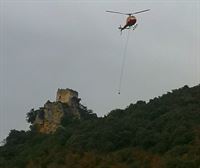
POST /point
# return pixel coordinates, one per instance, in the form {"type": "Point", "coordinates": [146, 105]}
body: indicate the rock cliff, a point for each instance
{"type": "Point", "coordinates": [48, 119]}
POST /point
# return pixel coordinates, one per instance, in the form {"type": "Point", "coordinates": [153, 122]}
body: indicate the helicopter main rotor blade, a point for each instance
{"type": "Point", "coordinates": [140, 11]}
{"type": "Point", "coordinates": [118, 12]}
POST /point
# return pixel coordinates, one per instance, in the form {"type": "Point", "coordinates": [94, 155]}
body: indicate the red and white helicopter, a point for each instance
{"type": "Point", "coordinates": [130, 21]}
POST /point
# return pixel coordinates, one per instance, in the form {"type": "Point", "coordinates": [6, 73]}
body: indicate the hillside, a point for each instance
{"type": "Point", "coordinates": [163, 133]}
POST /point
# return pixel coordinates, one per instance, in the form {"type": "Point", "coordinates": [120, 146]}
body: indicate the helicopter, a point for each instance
{"type": "Point", "coordinates": [131, 19]}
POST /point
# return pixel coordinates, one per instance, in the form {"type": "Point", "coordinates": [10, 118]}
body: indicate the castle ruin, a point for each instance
{"type": "Point", "coordinates": [66, 96]}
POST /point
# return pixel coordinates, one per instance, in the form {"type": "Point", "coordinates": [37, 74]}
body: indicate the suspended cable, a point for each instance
{"type": "Point", "coordinates": [123, 63]}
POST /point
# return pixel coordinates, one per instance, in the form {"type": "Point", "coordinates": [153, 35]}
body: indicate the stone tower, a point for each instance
{"type": "Point", "coordinates": [66, 96]}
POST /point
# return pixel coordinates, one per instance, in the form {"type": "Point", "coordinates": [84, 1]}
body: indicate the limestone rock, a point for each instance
{"type": "Point", "coordinates": [48, 118]}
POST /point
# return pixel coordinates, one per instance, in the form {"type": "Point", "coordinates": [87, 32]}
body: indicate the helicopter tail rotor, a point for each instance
{"type": "Point", "coordinates": [120, 28]}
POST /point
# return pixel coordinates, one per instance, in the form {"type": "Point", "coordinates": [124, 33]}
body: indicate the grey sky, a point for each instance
{"type": "Point", "coordinates": [49, 44]}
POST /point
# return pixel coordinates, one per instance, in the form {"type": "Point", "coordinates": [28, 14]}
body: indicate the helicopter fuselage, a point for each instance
{"type": "Point", "coordinates": [130, 21]}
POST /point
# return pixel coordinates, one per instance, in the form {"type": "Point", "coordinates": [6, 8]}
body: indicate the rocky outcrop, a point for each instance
{"type": "Point", "coordinates": [48, 118]}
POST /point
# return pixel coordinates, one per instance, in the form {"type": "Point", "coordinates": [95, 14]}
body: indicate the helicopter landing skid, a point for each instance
{"type": "Point", "coordinates": [135, 27]}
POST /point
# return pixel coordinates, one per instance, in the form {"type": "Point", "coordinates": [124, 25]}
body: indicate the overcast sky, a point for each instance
{"type": "Point", "coordinates": [51, 44]}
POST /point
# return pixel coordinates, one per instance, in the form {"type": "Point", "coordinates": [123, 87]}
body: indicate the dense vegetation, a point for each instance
{"type": "Point", "coordinates": [163, 133]}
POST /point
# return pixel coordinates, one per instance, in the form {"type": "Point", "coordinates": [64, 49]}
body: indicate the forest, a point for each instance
{"type": "Point", "coordinates": [161, 133]}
